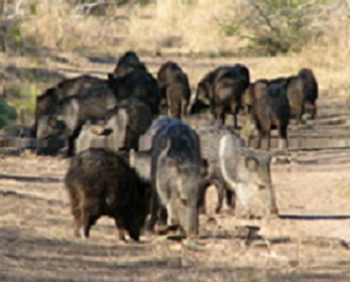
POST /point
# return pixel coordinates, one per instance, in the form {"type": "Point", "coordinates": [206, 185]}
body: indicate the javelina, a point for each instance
{"type": "Point", "coordinates": [223, 88]}
{"type": "Point", "coordinates": [270, 111]}
{"type": "Point", "coordinates": [99, 182]}
{"type": "Point", "coordinates": [174, 87]}
{"type": "Point", "coordinates": [72, 112]}
{"type": "Point", "coordinates": [128, 62]}
{"type": "Point", "coordinates": [248, 175]}
{"type": "Point", "coordinates": [137, 84]}
{"type": "Point", "coordinates": [175, 168]}
{"type": "Point", "coordinates": [209, 147]}
{"type": "Point", "coordinates": [302, 91]}
{"type": "Point", "coordinates": [47, 103]}
{"type": "Point", "coordinates": [176, 174]}
{"type": "Point", "coordinates": [253, 93]}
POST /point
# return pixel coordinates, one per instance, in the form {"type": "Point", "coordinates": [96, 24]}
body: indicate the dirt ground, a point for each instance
{"type": "Point", "coordinates": [313, 196]}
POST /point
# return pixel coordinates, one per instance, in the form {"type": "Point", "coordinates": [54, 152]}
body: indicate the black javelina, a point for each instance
{"type": "Point", "coordinates": [270, 111]}
{"type": "Point", "coordinates": [302, 91]}
{"type": "Point", "coordinates": [100, 183]}
{"type": "Point", "coordinates": [137, 84]}
{"type": "Point", "coordinates": [223, 89]}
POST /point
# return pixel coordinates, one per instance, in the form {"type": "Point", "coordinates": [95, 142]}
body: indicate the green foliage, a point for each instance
{"type": "Point", "coordinates": [275, 26]}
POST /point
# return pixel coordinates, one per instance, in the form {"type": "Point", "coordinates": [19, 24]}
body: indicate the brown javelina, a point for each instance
{"type": "Point", "coordinates": [174, 87]}
{"type": "Point", "coordinates": [99, 183]}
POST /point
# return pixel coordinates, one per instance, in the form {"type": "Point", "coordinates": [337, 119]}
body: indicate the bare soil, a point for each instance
{"type": "Point", "coordinates": [313, 194]}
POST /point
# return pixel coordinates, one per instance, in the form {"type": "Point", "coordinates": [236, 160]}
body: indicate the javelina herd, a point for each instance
{"type": "Point", "coordinates": [147, 170]}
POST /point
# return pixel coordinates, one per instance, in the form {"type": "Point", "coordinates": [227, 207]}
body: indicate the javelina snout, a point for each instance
{"type": "Point", "coordinates": [100, 182]}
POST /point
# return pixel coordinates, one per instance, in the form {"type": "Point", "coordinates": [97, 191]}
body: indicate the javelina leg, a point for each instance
{"type": "Point", "coordinates": [221, 193]}
{"type": "Point", "coordinates": [268, 136]}
{"type": "Point", "coordinates": [300, 115]}
{"type": "Point", "coordinates": [283, 138]}
{"type": "Point", "coordinates": [203, 186]}
{"type": "Point", "coordinates": [314, 111]}
{"type": "Point", "coordinates": [120, 224]}
{"type": "Point", "coordinates": [162, 217]}
{"type": "Point", "coordinates": [229, 196]}
{"type": "Point", "coordinates": [258, 143]}
{"type": "Point", "coordinates": [223, 118]}
{"type": "Point", "coordinates": [132, 225]}
{"type": "Point", "coordinates": [184, 106]}
{"type": "Point", "coordinates": [70, 151]}
{"type": "Point", "coordinates": [154, 211]}
{"type": "Point", "coordinates": [235, 123]}
{"type": "Point", "coordinates": [87, 220]}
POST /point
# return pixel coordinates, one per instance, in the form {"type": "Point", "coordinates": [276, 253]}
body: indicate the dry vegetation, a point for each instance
{"type": "Point", "coordinates": [203, 31]}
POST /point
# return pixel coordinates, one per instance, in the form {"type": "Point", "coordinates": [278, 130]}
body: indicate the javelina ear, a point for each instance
{"type": "Point", "coordinates": [251, 163]}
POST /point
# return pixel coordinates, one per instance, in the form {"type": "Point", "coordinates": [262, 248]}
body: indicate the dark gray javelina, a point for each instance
{"type": "Point", "coordinates": [100, 183]}
{"type": "Point", "coordinates": [172, 162]}
{"type": "Point", "coordinates": [248, 175]}
{"type": "Point", "coordinates": [176, 176]}
{"type": "Point", "coordinates": [47, 104]}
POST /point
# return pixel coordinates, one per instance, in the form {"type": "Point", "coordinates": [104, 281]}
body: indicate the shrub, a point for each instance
{"type": "Point", "coordinates": [276, 26]}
